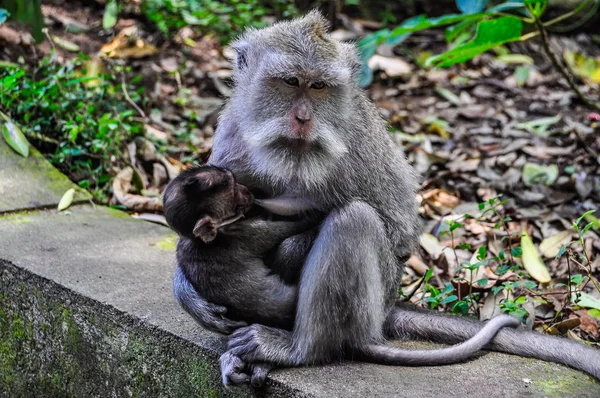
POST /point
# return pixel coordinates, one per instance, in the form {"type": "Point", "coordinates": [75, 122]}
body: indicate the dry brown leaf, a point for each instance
{"type": "Point", "coordinates": [542, 152]}
{"type": "Point", "coordinates": [432, 245]}
{"type": "Point", "coordinates": [588, 323]}
{"type": "Point", "coordinates": [127, 44]}
{"type": "Point", "coordinates": [417, 264]}
{"type": "Point", "coordinates": [122, 185]}
{"type": "Point", "coordinates": [393, 67]}
{"type": "Point", "coordinates": [550, 246]}
{"type": "Point", "coordinates": [563, 326]}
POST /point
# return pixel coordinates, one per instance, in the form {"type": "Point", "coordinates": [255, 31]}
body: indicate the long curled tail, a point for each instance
{"type": "Point", "coordinates": [407, 322]}
{"type": "Point", "coordinates": [395, 356]}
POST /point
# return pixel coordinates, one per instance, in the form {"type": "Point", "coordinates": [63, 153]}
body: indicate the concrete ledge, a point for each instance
{"type": "Point", "coordinates": [86, 310]}
{"type": "Point", "coordinates": [32, 182]}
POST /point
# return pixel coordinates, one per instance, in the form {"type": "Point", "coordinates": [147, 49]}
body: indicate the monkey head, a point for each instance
{"type": "Point", "coordinates": [202, 199]}
{"type": "Point", "coordinates": [292, 95]}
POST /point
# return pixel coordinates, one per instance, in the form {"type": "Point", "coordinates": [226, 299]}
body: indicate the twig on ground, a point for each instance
{"type": "Point", "coordinates": [128, 98]}
{"type": "Point", "coordinates": [561, 68]}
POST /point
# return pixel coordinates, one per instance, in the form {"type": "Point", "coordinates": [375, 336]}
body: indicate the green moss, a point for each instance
{"type": "Point", "coordinates": [118, 213]}
{"type": "Point", "coordinates": [79, 348]}
{"type": "Point", "coordinates": [21, 217]}
{"type": "Point", "coordinates": [559, 385]}
{"type": "Point", "coordinates": [167, 244]}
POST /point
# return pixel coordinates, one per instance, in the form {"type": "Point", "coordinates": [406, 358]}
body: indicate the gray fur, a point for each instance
{"type": "Point", "coordinates": [286, 206]}
{"type": "Point", "coordinates": [357, 176]}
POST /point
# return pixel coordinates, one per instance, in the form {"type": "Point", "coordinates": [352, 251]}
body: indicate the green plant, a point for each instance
{"type": "Point", "coordinates": [225, 18]}
{"type": "Point", "coordinates": [477, 30]}
{"type": "Point", "coordinates": [27, 12]}
{"type": "Point", "coordinates": [582, 260]}
{"type": "Point", "coordinates": [83, 119]}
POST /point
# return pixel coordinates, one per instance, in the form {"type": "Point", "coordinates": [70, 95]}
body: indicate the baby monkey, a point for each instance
{"type": "Point", "coordinates": [220, 252]}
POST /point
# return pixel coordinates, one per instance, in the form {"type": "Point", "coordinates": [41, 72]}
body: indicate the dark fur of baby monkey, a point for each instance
{"type": "Point", "coordinates": [221, 253]}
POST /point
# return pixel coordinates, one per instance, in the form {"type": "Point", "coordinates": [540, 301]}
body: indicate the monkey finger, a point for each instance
{"type": "Point", "coordinates": [217, 309]}
{"type": "Point", "coordinates": [224, 326]}
{"type": "Point", "coordinates": [232, 326]}
{"type": "Point", "coordinates": [238, 341]}
{"type": "Point", "coordinates": [260, 371]}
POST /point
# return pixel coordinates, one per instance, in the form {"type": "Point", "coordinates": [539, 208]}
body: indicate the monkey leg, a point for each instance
{"type": "Point", "coordinates": [210, 316]}
{"type": "Point", "coordinates": [407, 322]}
{"type": "Point", "coordinates": [341, 298]}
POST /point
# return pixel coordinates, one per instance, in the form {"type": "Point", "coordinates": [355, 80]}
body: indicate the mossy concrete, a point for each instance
{"type": "Point", "coordinates": [32, 182]}
{"type": "Point", "coordinates": [86, 309]}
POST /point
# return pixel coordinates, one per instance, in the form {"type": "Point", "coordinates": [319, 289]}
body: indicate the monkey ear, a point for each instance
{"type": "Point", "coordinates": [352, 59]}
{"type": "Point", "coordinates": [241, 50]}
{"type": "Point", "coordinates": [206, 229]}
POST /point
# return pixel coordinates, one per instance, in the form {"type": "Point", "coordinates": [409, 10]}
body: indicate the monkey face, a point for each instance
{"type": "Point", "coordinates": [202, 199]}
{"type": "Point", "coordinates": [294, 89]}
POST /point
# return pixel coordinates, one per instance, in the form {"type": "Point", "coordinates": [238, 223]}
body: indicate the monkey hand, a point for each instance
{"type": "Point", "coordinates": [212, 317]}
{"type": "Point", "coordinates": [253, 343]}
{"type": "Point", "coordinates": [236, 372]}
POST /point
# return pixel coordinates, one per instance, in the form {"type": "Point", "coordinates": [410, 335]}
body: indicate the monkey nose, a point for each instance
{"type": "Point", "coordinates": [302, 119]}
{"type": "Point", "coordinates": [302, 114]}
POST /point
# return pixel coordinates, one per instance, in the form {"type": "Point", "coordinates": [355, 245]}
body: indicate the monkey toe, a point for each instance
{"type": "Point", "coordinates": [233, 370]}
{"type": "Point", "coordinates": [260, 371]}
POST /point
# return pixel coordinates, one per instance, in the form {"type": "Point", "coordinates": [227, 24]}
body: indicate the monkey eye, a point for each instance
{"type": "Point", "coordinates": [318, 85]}
{"type": "Point", "coordinates": [292, 81]}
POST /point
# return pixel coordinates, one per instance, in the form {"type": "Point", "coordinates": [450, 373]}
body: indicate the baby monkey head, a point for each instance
{"type": "Point", "coordinates": [202, 199]}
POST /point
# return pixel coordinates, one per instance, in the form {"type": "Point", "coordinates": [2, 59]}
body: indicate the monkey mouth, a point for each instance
{"type": "Point", "coordinates": [292, 144]}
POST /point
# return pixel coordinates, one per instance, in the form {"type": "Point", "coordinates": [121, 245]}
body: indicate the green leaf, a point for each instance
{"type": "Point", "coordinates": [482, 282]}
{"type": "Point", "coordinates": [532, 261]}
{"type": "Point", "coordinates": [460, 307]}
{"type": "Point", "coordinates": [577, 279]}
{"type": "Point", "coordinates": [489, 35]}
{"type": "Point", "coordinates": [447, 289]}
{"type": "Point", "coordinates": [3, 15]}
{"type": "Point", "coordinates": [540, 126]}
{"type": "Point", "coordinates": [14, 137]}
{"type": "Point", "coordinates": [586, 300]}
{"type": "Point", "coordinates": [584, 215]}
{"type": "Point", "coordinates": [111, 12]}
{"type": "Point", "coordinates": [522, 74]}
{"type": "Point", "coordinates": [589, 217]}
{"type": "Point", "coordinates": [471, 6]}
{"type": "Point", "coordinates": [594, 313]}
{"type": "Point", "coordinates": [481, 253]}
{"type": "Point", "coordinates": [453, 31]}
{"type": "Point", "coordinates": [448, 95]}
{"type": "Point", "coordinates": [497, 289]}
{"type": "Point", "coordinates": [449, 299]}
{"type": "Point", "coordinates": [534, 173]}
{"type": "Point", "coordinates": [66, 200]}
{"type": "Point", "coordinates": [66, 44]}
{"type": "Point", "coordinates": [516, 252]}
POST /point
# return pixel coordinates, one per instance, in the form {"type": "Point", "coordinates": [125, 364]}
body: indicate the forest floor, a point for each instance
{"type": "Point", "coordinates": [504, 147]}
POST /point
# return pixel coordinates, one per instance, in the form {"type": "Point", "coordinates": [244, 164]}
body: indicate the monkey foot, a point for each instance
{"type": "Point", "coordinates": [236, 372]}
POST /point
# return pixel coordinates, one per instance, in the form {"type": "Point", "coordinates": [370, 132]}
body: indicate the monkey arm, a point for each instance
{"type": "Point", "coordinates": [288, 258]}
{"type": "Point", "coordinates": [262, 235]}
{"type": "Point", "coordinates": [408, 322]}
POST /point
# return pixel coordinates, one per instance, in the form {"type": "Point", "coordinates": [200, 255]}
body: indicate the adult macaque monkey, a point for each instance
{"type": "Point", "coordinates": [298, 127]}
